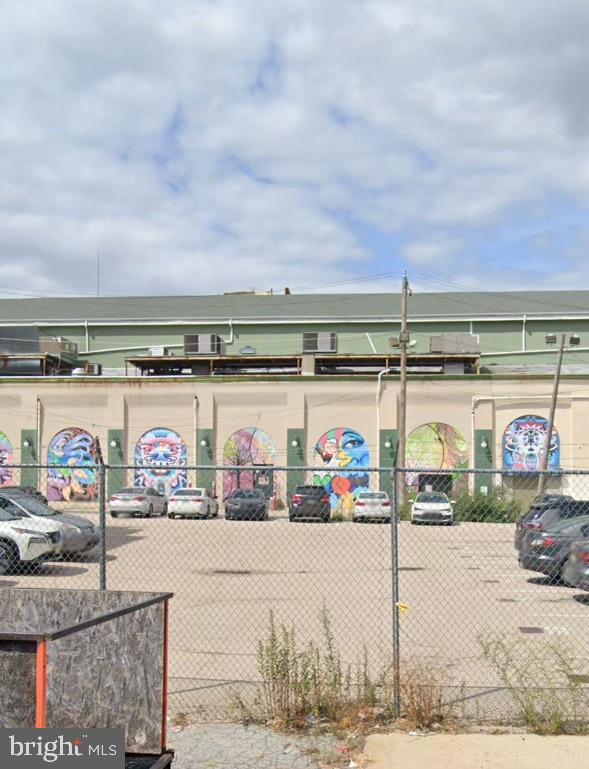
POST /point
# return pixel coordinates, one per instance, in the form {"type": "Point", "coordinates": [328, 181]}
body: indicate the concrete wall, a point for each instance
{"type": "Point", "coordinates": [33, 411]}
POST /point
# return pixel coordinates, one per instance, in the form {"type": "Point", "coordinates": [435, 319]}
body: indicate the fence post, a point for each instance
{"type": "Point", "coordinates": [395, 596]}
{"type": "Point", "coordinates": [102, 522]}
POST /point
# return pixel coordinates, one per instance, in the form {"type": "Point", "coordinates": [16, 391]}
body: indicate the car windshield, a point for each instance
{"type": "Point", "coordinates": [247, 494]}
{"type": "Point", "coordinates": [436, 498]}
{"type": "Point", "coordinates": [372, 495]}
{"type": "Point", "coordinates": [34, 507]}
{"type": "Point", "coordinates": [189, 493]}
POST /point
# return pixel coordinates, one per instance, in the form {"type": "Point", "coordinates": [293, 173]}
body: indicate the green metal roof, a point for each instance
{"type": "Point", "coordinates": [295, 307]}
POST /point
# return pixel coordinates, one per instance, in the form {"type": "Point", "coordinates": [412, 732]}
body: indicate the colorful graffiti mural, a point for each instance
{"type": "Point", "coordinates": [6, 459]}
{"type": "Point", "coordinates": [436, 446]}
{"type": "Point", "coordinates": [524, 445]}
{"type": "Point", "coordinates": [71, 457]}
{"type": "Point", "coordinates": [160, 455]}
{"type": "Point", "coordinates": [244, 448]}
{"type": "Point", "coordinates": [343, 452]}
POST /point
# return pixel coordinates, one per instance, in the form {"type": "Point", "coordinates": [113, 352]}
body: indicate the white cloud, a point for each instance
{"type": "Point", "coordinates": [209, 146]}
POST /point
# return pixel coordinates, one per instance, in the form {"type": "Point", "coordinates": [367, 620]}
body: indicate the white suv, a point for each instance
{"type": "Point", "coordinates": [21, 542]}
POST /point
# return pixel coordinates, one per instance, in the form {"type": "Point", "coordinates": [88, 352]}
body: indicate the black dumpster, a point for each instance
{"type": "Point", "coordinates": [87, 658]}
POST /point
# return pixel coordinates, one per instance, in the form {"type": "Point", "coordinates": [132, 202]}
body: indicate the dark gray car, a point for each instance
{"type": "Point", "coordinates": [546, 513]}
{"type": "Point", "coordinates": [309, 503]}
{"type": "Point", "coordinates": [576, 570]}
{"type": "Point", "coordinates": [246, 505]}
{"type": "Point", "coordinates": [548, 551]}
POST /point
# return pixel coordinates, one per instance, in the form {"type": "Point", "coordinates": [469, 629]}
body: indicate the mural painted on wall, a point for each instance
{"type": "Point", "coordinates": [246, 447]}
{"type": "Point", "coordinates": [344, 453]}
{"type": "Point", "coordinates": [72, 472]}
{"type": "Point", "coordinates": [160, 455]}
{"type": "Point", "coordinates": [524, 442]}
{"type": "Point", "coordinates": [6, 459]}
{"type": "Point", "coordinates": [436, 446]}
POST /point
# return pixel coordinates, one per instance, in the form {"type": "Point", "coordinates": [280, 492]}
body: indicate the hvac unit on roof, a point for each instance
{"type": "Point", "coordinates": [319, 341]}
{"type": "Point", "coordinates": [202, 344]}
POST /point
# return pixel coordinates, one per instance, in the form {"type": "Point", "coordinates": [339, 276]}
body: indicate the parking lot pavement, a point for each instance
{"type": "Point", "coordinates": [459, 583]}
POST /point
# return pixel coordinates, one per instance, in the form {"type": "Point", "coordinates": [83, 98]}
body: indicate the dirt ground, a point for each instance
{"type": "Point", "coordinates": [475, 751]}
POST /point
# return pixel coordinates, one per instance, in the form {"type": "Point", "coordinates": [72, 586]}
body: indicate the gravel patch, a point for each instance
{"type": "Point", "coordinates": [232, 746]}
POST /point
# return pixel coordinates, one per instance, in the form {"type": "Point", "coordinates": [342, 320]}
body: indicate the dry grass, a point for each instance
{"type": "Point", "coordinates": [421, 689]}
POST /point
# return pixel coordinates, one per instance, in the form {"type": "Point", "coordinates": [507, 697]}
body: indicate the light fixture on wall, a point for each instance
{"type": "Point", "coordinates": [114, 443]}
{"type": "Point", "coordinates": [484, 443]}
{"type": "Point", "coordinates": [27, 443]}
{"type": "Point", "coordinates": [387, 443]}
{"type": "Point", "coordinates": [204, 443]}
{"type": "Point", "coordinates": [295, 443]}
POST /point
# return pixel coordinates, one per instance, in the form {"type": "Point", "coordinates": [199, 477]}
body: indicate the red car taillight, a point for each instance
{"type": "Point", "coordinates": [584, 556]}
{"type": "Point", "coordinates": [296, 498]}
{"type": "Point", "coordinates": [549, 541]}
{"type": "Point", "coordinates": [360, 504]}
{"type": "Point", "coordinates": [325, 499]}
{"type": "Point", "coordinates": [139, 499]}
{"type": "Point", "coordinates": [532, 525]}
{"type": "Point", "coordinates": [386, 503]}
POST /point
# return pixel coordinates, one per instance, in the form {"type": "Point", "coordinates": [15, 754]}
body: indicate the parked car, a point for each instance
{"type": "Point", "coordinates": [30, 490]}
{"type": "Point", "coordinates": [138, 501]}
{"type": "Point", "coordinates": [21, 542]}
{"type": "Point", "coordinates": [548, 513]}
{"type": "Point", "coordinates": [68, 533]}
{"type": "Point", "coordinates": [192, 503]}
{"type": "Point", "coordinates": [548, 551]}
{"type": "Point", "coordinates": [372, 506]}
{"type": "Point", "coordinates": [576, 570]}
{"type": "Point", "coordinates": [432, 507]}
{"type": "Point", "coordinates": [310, 503]}
{"type": "Point", "coordinates": [246, 505]}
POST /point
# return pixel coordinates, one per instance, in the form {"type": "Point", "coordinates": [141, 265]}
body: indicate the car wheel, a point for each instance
{"type": "Point", "coordinates": [149, 513]}
{"type": "Point", "coordinates": [8, 557]}
{"type": "Point", "coordinates": [165, 510]}
{"type": "Point", "coordinates": [114, 515]}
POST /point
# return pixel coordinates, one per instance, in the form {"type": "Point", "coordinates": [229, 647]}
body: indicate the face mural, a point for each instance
{"type": "Point", "coordinates": [6, 459]}
{"type": "Point", "coordinates": [524, 442]}
{"type": "Point", "coordinates": [246, 447]}
{"type": "Point", "coordinates": [343, 452]}
{"type": "Point", "coordinates": [159, 455]}
{"type": "Point", "coordinates": [72, 472]}
{"type": "Point", "coordinates": [436, 446]}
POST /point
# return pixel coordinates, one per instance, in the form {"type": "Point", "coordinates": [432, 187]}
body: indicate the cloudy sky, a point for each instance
{"type": "Point", "coordinates": [203, 146]}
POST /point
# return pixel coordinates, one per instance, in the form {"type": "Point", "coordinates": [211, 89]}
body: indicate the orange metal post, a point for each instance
{"type": "Point", "coordinates": [41, 709]}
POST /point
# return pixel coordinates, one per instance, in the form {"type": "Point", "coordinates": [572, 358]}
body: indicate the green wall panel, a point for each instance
{"type": "Point", "coordinates": [205, 456]}
{"type": "Point", "coordinates": [388, 456]}
{"type": "Point", "coordinates": [28, 456]}
{"type": "Point", "coordinates": [483, 459]}
{"type": "Point", "coordinates": [115, 455]}
{"type": "Point", "coordinates": [295, 457]}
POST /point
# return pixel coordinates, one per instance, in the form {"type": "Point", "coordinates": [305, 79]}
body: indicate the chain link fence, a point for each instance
{"type": "Point", "coordinates": [462, 588]}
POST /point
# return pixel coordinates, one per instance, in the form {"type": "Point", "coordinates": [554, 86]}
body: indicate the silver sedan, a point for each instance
{"type": "Point", "coordinates": [137, 500]}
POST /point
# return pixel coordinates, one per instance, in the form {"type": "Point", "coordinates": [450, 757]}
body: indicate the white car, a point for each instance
{"type": "Point", "coordinates": [193, 503]}
{"type": "Point", "coordinates": [372, 506]}
{"type": "Point", "coordinates": [432, 507]}
{"type": "Point", "coordinates": [22, 542]}
{"type": "Point", "coordinates": [138, 500]}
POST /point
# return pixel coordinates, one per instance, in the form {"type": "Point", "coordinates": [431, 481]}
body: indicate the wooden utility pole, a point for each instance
{"type": "Point", "coordinates": [402, 421]}
{"type": "Point", "coordinates": [546, 454]}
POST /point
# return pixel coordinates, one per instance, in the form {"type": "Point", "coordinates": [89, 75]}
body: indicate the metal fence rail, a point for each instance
{"type": "Point", "coordinates": [391, 596]}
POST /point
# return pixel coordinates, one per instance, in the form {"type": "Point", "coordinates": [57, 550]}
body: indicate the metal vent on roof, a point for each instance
{"type": "Point", "coordinates": [319, 341]}
{"type": "Point", "coordinates": [202, 344]}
